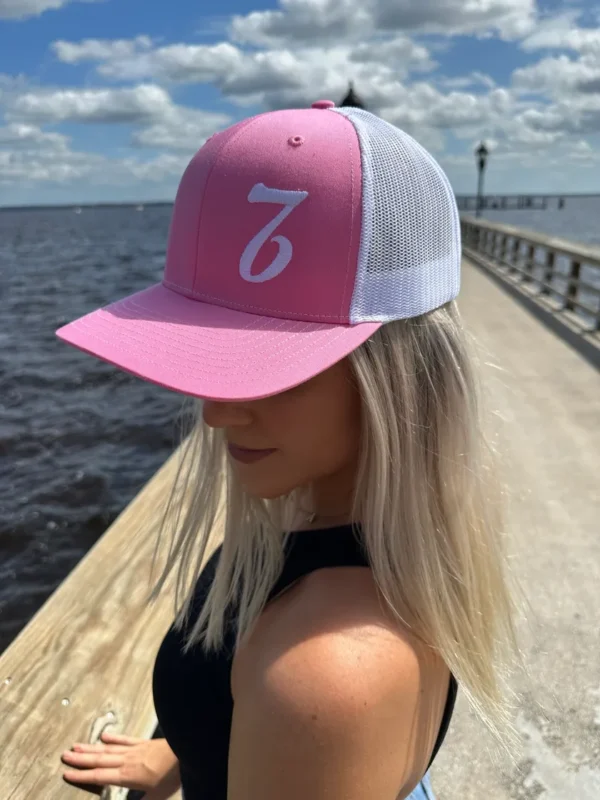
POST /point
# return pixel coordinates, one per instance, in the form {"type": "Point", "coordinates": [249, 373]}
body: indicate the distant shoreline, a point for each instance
{"type": "Point", "coordinates": [157, 203]}
{"type": "Point", "coordinates": [67, 206]}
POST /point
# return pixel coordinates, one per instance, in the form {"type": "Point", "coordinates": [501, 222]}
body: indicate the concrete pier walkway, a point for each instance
{"type": "Point", "coordinates": [549, 399]}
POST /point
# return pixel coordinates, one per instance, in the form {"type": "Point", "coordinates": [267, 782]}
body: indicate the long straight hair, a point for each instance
{"type": "Point", "coordinates": [428, 498]}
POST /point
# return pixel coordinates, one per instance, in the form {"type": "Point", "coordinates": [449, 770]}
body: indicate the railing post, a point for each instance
{"type": "Point", "coordinates": [472, 236]}
{"type": "Point", "coordinates": [573, 287]}
{"type": "Point", "coordinates": [529, 263]}
{"type": "Point", "coordinates": [497, 247]}
{"type": "Point", "coordinates": [467, 233]}
{"type": "Point", "coordinates": [548, 273]}
{"type": "Point", "coordinates": [503, 244]}
{"type": "Point", "coordinates": [480, 239]}
{"type": "Point", "coordinates": [514, 254]}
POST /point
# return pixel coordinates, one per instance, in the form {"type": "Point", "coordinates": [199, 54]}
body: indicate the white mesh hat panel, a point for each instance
{"type": "Point", "coordinates": [410, 251]}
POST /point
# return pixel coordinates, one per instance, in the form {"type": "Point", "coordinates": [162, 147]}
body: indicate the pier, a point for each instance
{"type": "Point", "coordinates": [84, 662]}
{"type": "Point", "coordinates": [555, 275]}
{"type": "Point", "coordinates": [511, 202]}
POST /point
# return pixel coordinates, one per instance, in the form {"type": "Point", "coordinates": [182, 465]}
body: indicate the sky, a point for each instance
{"type": "Point", "coordinates": [107, 100]}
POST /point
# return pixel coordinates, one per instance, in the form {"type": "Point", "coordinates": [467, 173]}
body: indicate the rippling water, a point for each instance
{"type": "Point", "coordinates": [78, 438]}
{"type": "Point", "coordinates": [577, 221]}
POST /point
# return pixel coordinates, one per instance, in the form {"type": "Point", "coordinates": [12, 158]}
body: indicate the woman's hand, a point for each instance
{"type": "Point", "coordinates": [148, 765]}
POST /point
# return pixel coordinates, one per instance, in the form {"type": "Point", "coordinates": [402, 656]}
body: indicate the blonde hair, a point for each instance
{"type": "Point", "coordinates": [428, 498]}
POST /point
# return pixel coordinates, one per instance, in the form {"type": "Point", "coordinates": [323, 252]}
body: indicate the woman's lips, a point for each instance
{"type": "Point", "coordinates": [247, 456]}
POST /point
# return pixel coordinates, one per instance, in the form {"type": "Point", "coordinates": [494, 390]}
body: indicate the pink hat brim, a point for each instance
{"type": "Point", "coordinates": [210, 351]}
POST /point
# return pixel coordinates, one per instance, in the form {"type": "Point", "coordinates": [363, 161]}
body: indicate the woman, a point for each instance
{"type": "Point", "coordinates": [309, 302]}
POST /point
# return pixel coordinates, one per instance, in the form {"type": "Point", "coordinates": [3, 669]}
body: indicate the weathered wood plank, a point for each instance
{"type": "Point", "coordinates": [87, 653]}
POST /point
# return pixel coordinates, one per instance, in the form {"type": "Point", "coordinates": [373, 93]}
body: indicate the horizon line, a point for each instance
{"type": "Point", "coordinates": [144, 203]}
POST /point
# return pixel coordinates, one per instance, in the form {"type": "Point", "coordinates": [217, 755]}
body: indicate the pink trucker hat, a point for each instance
{"type": "Point", "coordinates": [295, 235]}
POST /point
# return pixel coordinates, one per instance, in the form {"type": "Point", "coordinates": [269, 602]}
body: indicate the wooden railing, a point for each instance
{"type": "Point", "coordinates": [565, 274]}
{"type": "Point", "coordinates": [84, 662]}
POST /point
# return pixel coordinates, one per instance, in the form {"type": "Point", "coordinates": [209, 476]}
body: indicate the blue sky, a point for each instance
{"type": "Point", "coordinates": [106, 100]}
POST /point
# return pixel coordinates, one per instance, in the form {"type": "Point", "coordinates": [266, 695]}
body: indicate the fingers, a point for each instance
{"type": "Point", "coordinates": [101, 763]}
{"type": "Point", "coordinates": [96, 777]}
{"type": "Point", "coordinates": [110, 743]}
{"type": "Point", "coordinates": [92, 760]}
{"type": "Point", "coordinates": [99, 748]}
{"type": "Point", "coordinates": [119, 738]}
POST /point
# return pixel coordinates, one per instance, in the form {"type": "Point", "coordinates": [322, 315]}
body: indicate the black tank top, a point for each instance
{"type": "Point", "coordinates": [192, 695]}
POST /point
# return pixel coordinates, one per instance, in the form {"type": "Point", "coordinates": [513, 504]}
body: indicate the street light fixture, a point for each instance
{"type": "Point", "coordinates": [482, 154]}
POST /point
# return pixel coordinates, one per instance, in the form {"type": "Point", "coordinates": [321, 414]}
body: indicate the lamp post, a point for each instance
{"type": "Point", "coordinates": [482, 154]}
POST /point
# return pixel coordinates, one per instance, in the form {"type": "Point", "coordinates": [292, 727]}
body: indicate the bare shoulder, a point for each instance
{"type": "Point", "coordinates": [329, 673]}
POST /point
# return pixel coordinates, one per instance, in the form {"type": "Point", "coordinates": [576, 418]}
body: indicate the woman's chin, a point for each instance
{"type": "Point", "coordinates": [264, 490]}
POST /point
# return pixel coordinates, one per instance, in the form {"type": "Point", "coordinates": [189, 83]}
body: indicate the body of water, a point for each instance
{"type": "Point", "coordinates": [578, 220]}
{"type": "Point", "coordinates": [79, 438]}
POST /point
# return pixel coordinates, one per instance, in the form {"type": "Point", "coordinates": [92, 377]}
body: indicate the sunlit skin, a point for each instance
{"type": "Point", "coordinates": [314, 430]}
{"type": "Point", "coordinates": [333, 616]}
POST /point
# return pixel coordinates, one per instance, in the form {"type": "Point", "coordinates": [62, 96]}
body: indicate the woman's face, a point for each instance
{"type": "Point", "coordinates": [307, 435]}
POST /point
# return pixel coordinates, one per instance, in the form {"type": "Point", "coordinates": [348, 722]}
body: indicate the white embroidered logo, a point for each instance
{"type": "Point", "coordinates": [262, 194]}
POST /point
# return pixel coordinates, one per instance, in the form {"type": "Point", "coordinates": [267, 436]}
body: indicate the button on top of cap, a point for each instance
{"type": "Point", "coordinates": [323, 104]}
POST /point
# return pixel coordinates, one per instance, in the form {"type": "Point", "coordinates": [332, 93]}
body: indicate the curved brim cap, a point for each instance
{"type": "Point", "coordinates": [210, 351]}
{"type": "Point", "coordinates": [295, 235]}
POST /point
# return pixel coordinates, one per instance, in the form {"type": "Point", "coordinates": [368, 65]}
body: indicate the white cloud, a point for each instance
{"type": "Point", "coordinates": [525, 132]}
{"type": "Point", "coordinates": [99, 49]}
{"type": "Point", "coordinates": [562, 33]}
{"type": "Point", "coordinates": [584, 153]}
{"type": "Point", "coordinates": [560, 76]}
{"type": "Point", "coordinates": [329, 20]}
{"type": "Point", "coordinates": [575, 117]}
{"type": "Point", "coordinates": [143, 102]}
{"type": "Point", "coordinates": [22, 9]}
{"type": "Point", "coordinates": [570, 81]}
{"type": "Point", "coordinates": [73, 167]}
{"type": "Point", "coordinates": [275, 77]}
{"type": "Point", "coordinates": [231, 69]}
{"type": "Point", "coordinates": [509, 18]}
{"type": "Point", "coordinates": [466, 81]}
{"type": "Point", "coordinates": [156, 170]}
{"type": "Point", "coordinates": [17, 167]}
{"type": "Point", "coordinates": [11, 85]}
{"type": "Point", "coordinates": [182, 129]}
{"type": "Point", "coordinates": [165, 125]}
{"type": "Point", "coordinates": [31, 156]}
{"type": "Point", "coordinates": [28, 153]}
{"type": "Point", "coordinates": [428, 114]}
{"type": "Point", "coordinates": [306, 50]}
{"type": "Point", "coordinates": [305, 21]}
{"type": "Point", "coordinates": [183, 63]}
{"type": "Point", "coordinates": [278, 77]}
{"type": "Point", "coordinates": [400, 53]}
{"type": "Point", "coordinates": [18, 135]}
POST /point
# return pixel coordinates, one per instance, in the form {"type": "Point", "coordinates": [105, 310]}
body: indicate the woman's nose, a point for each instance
{"type": "Point", "coordinates": [225, 415]}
